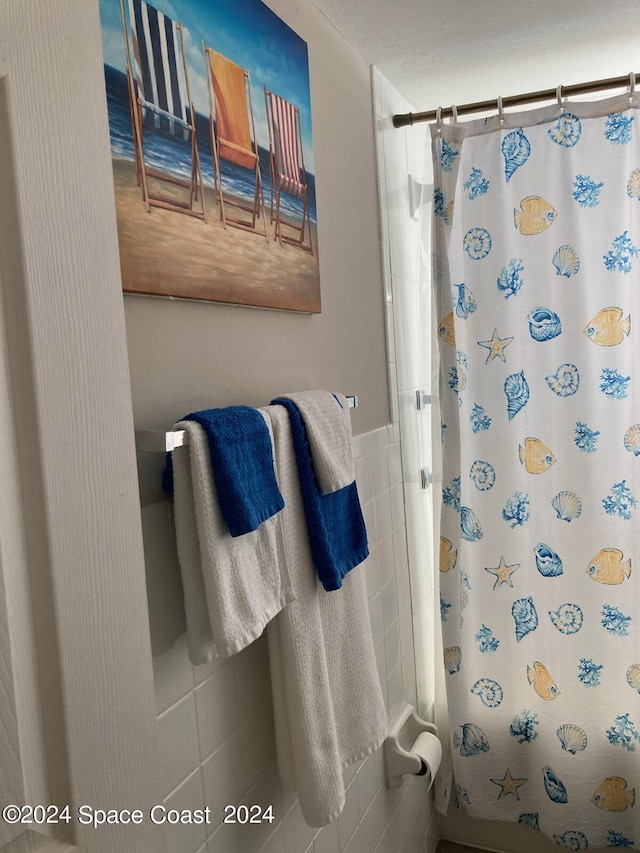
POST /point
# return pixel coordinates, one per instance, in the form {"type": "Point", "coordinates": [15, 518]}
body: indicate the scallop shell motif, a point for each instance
{"type": "Point", "coordinates": [548, 562]}
{"type": "Point", "coordinates": [452, 659]}
{"type": "Point", "coordinates": [517, 391]}
{"type": "Point", "coordinates": [572, 738]}
{"type": "Point", "coordinates": [567, 506]}
{"type": "Point", "coordinates": [469, 525]}
{"type": "Point", "coordinates": [466, 303]}
{"type": "Point", "coordinates": [489, 691]}
{"type": "Point", "coordinates": [632, 439]}
{"type": "Point", "coordinates": [566, 131]}
{"type": "Point", "coordinates": [566, 261]}
{"type": "Point", "coordinates": [565, 381]}
{"type": "Point", "coordinates": [516, 149]}
{"type": "Point", "coordinates": [633, 676]}
{"type": "Point", "coordinates": [568, 618]}
{"type": "Point", "coordinates": [633, 184]}
{"type": "Point", "coordinates": [544, 324]}
{"type": "Point", "coordinates": [525, 616]}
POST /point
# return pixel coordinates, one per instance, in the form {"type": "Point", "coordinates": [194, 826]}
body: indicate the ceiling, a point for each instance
{"type": "Point", "coordinates": [456, 51]}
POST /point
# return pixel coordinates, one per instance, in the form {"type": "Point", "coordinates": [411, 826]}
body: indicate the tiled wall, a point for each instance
{"type": "Point", "coordinates": [215, 723]}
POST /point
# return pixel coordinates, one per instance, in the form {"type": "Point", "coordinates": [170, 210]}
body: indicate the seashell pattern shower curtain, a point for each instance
{"type": "Point", "coordinates": [537, 276]}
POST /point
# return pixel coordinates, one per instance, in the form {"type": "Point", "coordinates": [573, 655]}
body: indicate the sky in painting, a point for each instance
{"type": "Point", "coordinates": [248, 33]}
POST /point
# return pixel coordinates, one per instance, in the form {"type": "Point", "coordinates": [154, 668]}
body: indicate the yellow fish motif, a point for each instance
{"type": "Point", "coordinates": [535, 456]}
{"type": "Point", "coordinates": [447, 331]}
{"type": "Point", "coordinates": [542, 682]}
{"type": "Point", "coordinates": [608, 328]}
{"type": "Point", "coordinates": [535, 215]}
{"type": "Point", "coordinates": [607, 566]}
{"type": "Point", "coordinates": [613, 795]}
{"type": "Point", "coordinates": [448, 557]}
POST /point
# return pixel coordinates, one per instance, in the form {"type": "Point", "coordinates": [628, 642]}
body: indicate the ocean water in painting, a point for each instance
{"type": "Point", "coordinates": [171, 153]}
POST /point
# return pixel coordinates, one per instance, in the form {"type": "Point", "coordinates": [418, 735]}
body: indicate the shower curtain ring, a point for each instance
{"type": "Point", "coordinates": [500, 109]}
{"type": "Point", "coordinates": [632, 85]}
{"type": "Point", "coordinates": [559, 99]}
{"type": "Point", "coordinates": [454, 113]}
{"type": "Point", "coordinates": [439, 121]}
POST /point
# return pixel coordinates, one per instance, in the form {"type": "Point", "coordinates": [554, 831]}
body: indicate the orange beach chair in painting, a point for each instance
{"type": "Point", "coordinates": [286, 168]}
{"type": "Point", "coordinates": [159, 95]}
{"type": "Point", "coordinates": [233, 137]}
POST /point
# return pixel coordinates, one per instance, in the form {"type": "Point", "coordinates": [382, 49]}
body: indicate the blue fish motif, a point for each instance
{"type": "Point", "coordinates": [472, 740]}
{"type": "Point", "coordinates": [517, 391]}
{"type": "Point", "coordinates": [544, 324]}
{"type": "Point", "coordinates": [548, 562]}
{"type": "Point", "coordinates": [466, 303]}
{"type": "Point", "coordinates": [525, 616]}
{"type": "Point", "coordinates": [516, 150]}
{"type": "Point", "coordinates": [573, 839]}
{"type": "Point", "coordinates": [469, 525]}
{"type": "Point", "coordinates": [553, 786]}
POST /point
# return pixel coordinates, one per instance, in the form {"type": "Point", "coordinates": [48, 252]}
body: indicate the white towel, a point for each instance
{"type": "Point", "coordinates": [327, 699]}
{"type": "Point", "coordinates": [328, 425]}
{"type": "Point", "coordinates": [232, 586]}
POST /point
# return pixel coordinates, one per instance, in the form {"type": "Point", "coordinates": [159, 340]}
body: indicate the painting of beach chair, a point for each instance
{"type": "Point", "coordinates": [287, 171]}
{"type": "Point", "coordinates": [160, 101]}
{"type": "Point", "coordinates": [233, 142]}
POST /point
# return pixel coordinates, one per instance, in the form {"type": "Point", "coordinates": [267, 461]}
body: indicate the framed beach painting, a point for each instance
{"type": "Point", "coordinates": [210, 125]}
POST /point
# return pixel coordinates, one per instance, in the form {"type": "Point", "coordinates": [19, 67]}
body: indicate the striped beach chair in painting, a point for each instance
{"type": "Point", "coordinates": [286, 169]}
{"type": "Point", "coordinates": [160, 99]}
{"type": "Point", "coordinates": [233, 141]}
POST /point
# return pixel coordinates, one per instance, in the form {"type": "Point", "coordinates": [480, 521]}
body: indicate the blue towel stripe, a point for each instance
{"type": "Point", "coordinates": [337, 532]}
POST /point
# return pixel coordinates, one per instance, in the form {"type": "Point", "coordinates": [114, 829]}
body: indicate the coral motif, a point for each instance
{"type": "Point", "coordinates": [483, 475]}
{"type": "Point", "coordinates": [451, 494]}
{"type": "Point", "coordinates": [470, 529]}
{"type": "Point", "coordinates": [613, 384]}
{"type": "Point", "coordinates": [567, 506]}
{"type": "Point", "coordinates": [633, 676]}
{"type": "Point", "coordinates": [466, 302]}
{"type": "Point", "coordinates": [517, 393]}
{"type": "Point", "coordinates": [568, 618]}
{"type": "Point", "coordinates": [566, 261]}
{"type": "Point", "coordinates": [480, 421]}
{"type": "Point", "coordinates": [510, 281]}
{"type": "Point", "coordinates": [487, 642]}
{"type": "Point", "coordinates": [623, 733]}
{"type": "Point", "coordinates": [444, 609]}
{"type": "Point", "coordinates": [572, 738]}
{"type": "Point", "coordinates": [452, 659]}
{"type": "Point", "coordinates": [438, 202]}
{"type": "Point", "coordinates": [523, 727]}
{"type": "Point", "coordinates": [617, 839]}
{"type": "Point", "coordinates": [461, 357]}
{"type": "Point", "coordinates": [573, 839]}
{"type": "Point", "coordinates": [516, 149]}
{"type": "Point", "coordinates": [617, 128]}
{"type": "Point", "coordinates": [525, 617]}
{"type": "Point", "coordinates": [544, 324]}
{"type": "Point", "coordinates": [620, 502]}
{"type": "Point", "coordinates": [565, 381]}
{"type": "Point", "coordinates": [457, 379]}
{"type": "Point", "coordinates": [516, 510]}
{"type": "Point", "coordinates": [614, 621]}
{"type": "Point", "coordinates": [554, 786]}
{"type": "Point", "coordinates": [586, 191]}
{"type": "Point", "coordinates": [476, 184]}
{"type": "Point", "coordinates": [477, 243]}
{"type": "Point", "coordinates": [531, 819]}
{"type": "Point", "coordinates": [548, 562]}
{"type": "Point", "coordinates": [618, 258]}
{"type": "Point", "coordinates": [585, 437]}
{"type": "Point", "coordinates": [632, 439]}
{"type": "Point", "coordinates": [489, 692]}
{"type": "Point", "coordinates": [589, 672]}
{"type": "Point", "coordinates": [447, 156]}
{"type": "Point", "coordinates": [566, 131]}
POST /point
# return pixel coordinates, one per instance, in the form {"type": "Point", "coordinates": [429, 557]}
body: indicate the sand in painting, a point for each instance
{"type": "Point", "coordinates": [168, 253]}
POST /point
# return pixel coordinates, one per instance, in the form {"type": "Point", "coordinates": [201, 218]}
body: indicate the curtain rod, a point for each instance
{"type": "Point", "coordinates": [404, 119]}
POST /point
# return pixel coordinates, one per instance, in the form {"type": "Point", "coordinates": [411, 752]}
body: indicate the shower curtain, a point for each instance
{"type": "Point", "coordinates": [537, 277]}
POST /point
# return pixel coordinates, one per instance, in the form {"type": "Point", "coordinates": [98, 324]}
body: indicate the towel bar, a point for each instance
{"type": "Point", "coordinates": [159, 441]}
